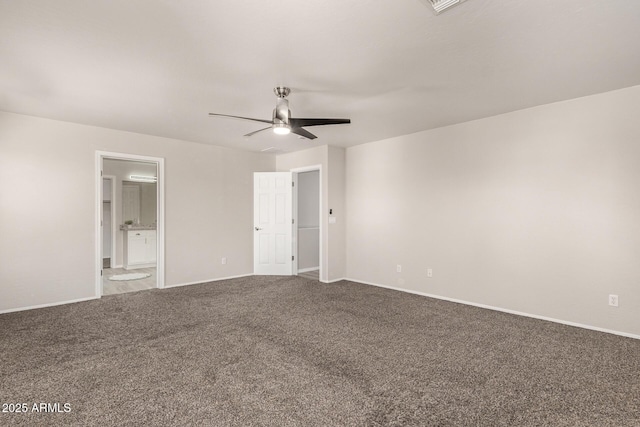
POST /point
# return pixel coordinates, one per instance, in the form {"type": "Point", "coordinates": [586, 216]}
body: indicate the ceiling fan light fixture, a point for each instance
{"type": "Point", "coordinates": [282, 122]}
{"type": "Point", "coordinates": [281, 129]}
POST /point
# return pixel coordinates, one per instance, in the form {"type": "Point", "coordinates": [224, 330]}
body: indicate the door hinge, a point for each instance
{"type": "Point", "coordinates": [293, 221]}
{"type": "Point", "coordinates": [292, 257]}
{"type": "Point", "coordinates": [101, 272]}
{"type": "Point", "coordinates": [293, 184]}
{"type": "Point", "coordinates": [100, 173]}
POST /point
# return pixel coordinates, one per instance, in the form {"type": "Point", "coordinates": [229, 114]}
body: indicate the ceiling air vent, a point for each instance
{"type": "Point", "coordinates": [440, 6]}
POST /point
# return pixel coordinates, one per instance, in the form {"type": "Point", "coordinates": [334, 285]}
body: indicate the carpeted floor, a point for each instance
{"type": "Point", "coordinates": [287, 351]}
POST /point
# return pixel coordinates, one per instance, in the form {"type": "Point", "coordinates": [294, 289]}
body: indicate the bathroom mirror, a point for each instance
{"type": "Point", "coordinates": [139, 202]}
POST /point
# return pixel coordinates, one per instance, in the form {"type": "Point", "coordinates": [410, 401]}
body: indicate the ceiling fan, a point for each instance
{"type": "Point", "coordinates": [282, 122]}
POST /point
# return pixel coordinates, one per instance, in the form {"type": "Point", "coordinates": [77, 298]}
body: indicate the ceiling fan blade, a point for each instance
{"type": "Point", "coordinates": [317, 122]}
{"type": "Point", "coordinates": [243, 118]}
{"type": "Point", "coordinates": [303, 132]}
{"type": "Point", "coordinates": [256, 131]}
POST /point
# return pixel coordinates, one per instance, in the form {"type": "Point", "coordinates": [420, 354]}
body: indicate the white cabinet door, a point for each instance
{"type": "Point", "coordinates": [137, 248]}
{"type": "Point", "coordinates": [140, 249]}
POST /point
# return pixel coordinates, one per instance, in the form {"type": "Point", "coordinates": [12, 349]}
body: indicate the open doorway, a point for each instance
{"type": "Point", "coordinates": [130, 225]}
{"type": "Point", "coordinates": [307, 227]}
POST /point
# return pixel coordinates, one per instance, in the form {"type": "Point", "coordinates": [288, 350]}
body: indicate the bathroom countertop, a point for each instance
{"type": "Point", "coordinates": [137, 227]}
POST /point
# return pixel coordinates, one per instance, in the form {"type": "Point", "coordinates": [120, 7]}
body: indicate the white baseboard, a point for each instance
{"type": "Point", "coordinates": [199, 282]}
{"type": "Point", "coordinates": [304, 270]}
{"type": "Point", "coordinates": [51, 304]}
{"type": "Point", "coordinates": [335, 280]}
{"type": "Point", "coordinates": [504, 310]}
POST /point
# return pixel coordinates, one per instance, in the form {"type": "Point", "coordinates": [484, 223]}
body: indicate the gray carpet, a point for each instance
{"type": "Point", "coordinates": [274, 351]}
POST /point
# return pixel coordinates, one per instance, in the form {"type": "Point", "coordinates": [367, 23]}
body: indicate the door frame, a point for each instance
{"type": "Point", "coordinates": [112, 255]}
{"type": "Point", "coordinates": [294, 239]}
{"type": "Point", "coordinates": [159, 161]}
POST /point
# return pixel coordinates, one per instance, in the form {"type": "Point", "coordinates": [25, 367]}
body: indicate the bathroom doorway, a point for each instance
{"type": "Point", "coordinates": [130, 225]}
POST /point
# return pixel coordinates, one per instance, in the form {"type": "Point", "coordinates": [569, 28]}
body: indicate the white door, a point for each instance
{"type": "Point", "coordinates": [272, 254]}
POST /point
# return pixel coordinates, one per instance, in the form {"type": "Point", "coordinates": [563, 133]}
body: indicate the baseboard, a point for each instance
{"type": "Point", "coordinates": [335, 280]}
{"type": "Point", "coordinates": [504, 310]}
{"type": "Point", "coordinates": [304, 270]}
{"type": "Point", "coordinates": [51, 304]}
{"type": "Point", "coordinates": [200, 282]}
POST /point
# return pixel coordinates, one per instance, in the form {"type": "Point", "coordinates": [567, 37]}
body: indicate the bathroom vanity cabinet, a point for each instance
{"type": "Point", "coordinates": [139, 248]}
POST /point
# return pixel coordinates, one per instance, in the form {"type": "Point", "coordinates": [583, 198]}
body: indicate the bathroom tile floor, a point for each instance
{"type": "Point", "coordinates": [111, 288]}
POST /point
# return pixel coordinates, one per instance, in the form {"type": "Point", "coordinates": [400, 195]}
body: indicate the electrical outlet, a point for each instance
{"type": "Point", "coordinates": [224, 260]}
{"type": "Point", "coordinates": [399, 268]}
{"type": "Point", "coordinates": [613, 300]}
{"type": "Point", "coordinates": [429, 272]}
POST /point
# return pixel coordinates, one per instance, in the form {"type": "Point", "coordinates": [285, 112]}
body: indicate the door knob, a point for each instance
{"type": "Point", "coordinates": [258, 228]}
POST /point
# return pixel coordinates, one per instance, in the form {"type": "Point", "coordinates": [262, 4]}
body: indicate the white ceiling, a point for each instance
{"type": "Point", "coordinates": [392, 66]}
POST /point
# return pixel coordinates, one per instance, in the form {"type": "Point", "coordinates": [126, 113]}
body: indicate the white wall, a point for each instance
{"type": "Point", "coordinates": [48, 255]}
{"type": "Point", "coordinates": [336, 183]}
{"type": "Point", "coordinates": [536, 211]}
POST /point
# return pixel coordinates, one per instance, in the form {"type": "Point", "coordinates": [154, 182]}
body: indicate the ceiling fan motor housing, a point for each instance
{"type": "Point", "coordinates": [282, 113]}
